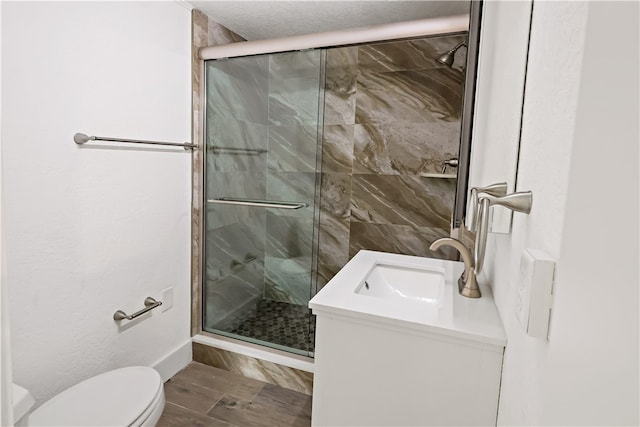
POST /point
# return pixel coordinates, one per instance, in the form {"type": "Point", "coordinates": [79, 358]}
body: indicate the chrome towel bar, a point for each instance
{"type": "Point", "coordinates": [239, 150]}
{"type": "Point", "coordinates": [261, 203]}
{"type": "Point", "coordinates": [149, 304]}
{"type": "Point", "coordinates": [81, 138]}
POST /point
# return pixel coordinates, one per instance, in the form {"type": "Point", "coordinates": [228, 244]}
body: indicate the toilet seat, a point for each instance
{"type": "Point", "coordinates": [152, 414]}
{"type": "Point", "coordinates": [123, 397]}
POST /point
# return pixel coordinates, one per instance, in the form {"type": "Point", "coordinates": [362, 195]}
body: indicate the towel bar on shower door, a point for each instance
{"type": "Point", "coordinates": [261, 203]}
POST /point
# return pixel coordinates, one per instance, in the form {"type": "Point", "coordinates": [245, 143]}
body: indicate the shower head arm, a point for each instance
{"type": "Point", "coordinates": [448, 58]}
{"type": "Point", "coordinates": [458, 46]}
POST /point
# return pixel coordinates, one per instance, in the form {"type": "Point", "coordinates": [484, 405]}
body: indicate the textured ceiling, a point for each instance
{"type": "Point", "coordinates": [255, 20]}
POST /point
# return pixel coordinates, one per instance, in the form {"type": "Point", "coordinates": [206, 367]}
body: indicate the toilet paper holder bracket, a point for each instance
{"type": "Point", "coordinates": [149, 304]}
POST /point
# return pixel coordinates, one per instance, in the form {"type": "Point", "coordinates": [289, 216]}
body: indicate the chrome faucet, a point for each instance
{"type": "Point", "coordinates": [518, 202]}
{"type": "Point", "coordinates": [467, 284]}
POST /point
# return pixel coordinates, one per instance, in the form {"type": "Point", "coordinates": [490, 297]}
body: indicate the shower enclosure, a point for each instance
{"type": "Point", "coordinates": [263, 127]}
{"type": "Point", "coordinates": [313, 155]}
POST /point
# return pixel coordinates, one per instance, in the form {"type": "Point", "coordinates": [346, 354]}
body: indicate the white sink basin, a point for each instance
{"type": "Point", "coordinates": [396, 282]}
{"type": "Point", "coordinates": [408, 291]}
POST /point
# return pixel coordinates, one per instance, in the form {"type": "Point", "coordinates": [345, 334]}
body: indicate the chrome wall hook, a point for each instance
{"type": "Point", "coordinates": [517, 202]}
{"type": "Point", "coordinates": [496, 190]}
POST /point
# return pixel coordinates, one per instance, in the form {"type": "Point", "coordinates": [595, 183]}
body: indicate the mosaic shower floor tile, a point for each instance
{"type": "Point", "coordinates": [280, 323]}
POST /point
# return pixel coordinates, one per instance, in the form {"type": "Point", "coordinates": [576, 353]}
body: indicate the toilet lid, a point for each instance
{"type": "Point", "coordinates": [115, 398]}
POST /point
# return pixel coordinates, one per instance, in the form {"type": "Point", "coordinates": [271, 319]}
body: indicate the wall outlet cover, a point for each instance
{"type": "Point", "coordinates": [535, 287]}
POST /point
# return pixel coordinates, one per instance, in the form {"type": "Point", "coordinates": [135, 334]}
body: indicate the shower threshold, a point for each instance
{"type": "Point", "coordinates": [255, 350]}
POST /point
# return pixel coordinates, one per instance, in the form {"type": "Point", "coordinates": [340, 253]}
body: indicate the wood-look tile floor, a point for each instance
{"type": "Point", "coordinates": [201, 395]}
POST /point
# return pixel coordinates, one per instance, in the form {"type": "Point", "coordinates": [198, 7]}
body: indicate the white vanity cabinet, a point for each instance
{"type": "Point", "coordinates": [413, 360]}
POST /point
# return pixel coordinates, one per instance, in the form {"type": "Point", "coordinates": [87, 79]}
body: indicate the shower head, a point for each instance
{"type": "Point", "coordinates": [448, 57]}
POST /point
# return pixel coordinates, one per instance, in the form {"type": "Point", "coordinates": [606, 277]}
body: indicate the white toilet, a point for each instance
{"type": "Point", "coordinates": [131, 396]}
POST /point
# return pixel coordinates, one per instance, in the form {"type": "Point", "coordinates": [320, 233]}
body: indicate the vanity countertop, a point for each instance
{"type": "Point", "coordinates": [474, 319]}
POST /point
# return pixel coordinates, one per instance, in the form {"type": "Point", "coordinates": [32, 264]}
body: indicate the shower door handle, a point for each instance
{"type": "Point", "coordinates": [260, 203]}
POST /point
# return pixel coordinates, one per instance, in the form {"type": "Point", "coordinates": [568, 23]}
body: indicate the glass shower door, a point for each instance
{"type": "Point", "coordinates": [262, 133]}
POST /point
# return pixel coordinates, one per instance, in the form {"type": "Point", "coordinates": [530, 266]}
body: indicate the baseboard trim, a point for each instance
{"type": "Point", "coordinates": [175, 361]}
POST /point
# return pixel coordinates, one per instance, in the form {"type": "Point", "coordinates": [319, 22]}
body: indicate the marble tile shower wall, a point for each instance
{"type": "Point", "coordinates": [294, 89]}
{"type": "Point", "coordinates": [391, 114]}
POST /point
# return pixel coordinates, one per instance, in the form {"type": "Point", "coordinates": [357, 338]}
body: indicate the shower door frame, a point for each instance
{"type": "Point", "coordinates": [198, 195]}
{"type": "Point", "coordinates": [316, 212]}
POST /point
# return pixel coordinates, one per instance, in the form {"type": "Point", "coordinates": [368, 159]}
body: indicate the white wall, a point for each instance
{"type": "Point", "coordinates": [579, 156]}
{"type": "Point", "coordinates": [6, 410]}
{"type": "Point", "coordinates": [91, 230]}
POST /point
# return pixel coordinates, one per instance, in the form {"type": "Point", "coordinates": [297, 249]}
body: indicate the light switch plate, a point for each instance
{"type": "Point", "coordinates": [535, 287]}
{"type": "Point", "coordinates": [167, 299]}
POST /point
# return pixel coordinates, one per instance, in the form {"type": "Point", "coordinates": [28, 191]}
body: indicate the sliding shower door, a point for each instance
{"type": "Point", "coordinates": [263, 132]}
